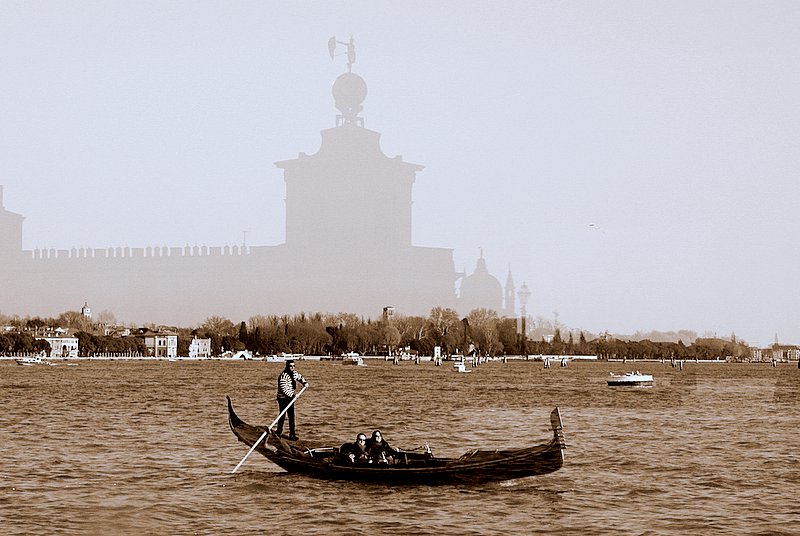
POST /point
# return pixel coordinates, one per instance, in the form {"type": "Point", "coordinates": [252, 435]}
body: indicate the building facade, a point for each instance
{"type": "Point", "coordinates": [160, 344]}
{"type": "Point", "coordinates": [62, 347]}
{"type": "Point", "coordinates": [200, 348]}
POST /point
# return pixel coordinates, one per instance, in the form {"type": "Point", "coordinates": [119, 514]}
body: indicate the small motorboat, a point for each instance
{"type": "Point", "coordinates": [630, 379]}
{"type": "Point", "coordinates": [353, 358]}
{"type": "Point", "coordinates": [32, 360]}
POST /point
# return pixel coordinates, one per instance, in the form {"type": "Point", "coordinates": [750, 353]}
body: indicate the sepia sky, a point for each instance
{"type": "Point", "coordinates": [635, 162]}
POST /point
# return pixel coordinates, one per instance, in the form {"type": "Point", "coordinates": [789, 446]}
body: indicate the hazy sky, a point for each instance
{"type": "Point", "coordinates": [635, 162]}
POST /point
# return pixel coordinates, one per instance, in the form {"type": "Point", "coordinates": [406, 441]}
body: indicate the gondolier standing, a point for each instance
{"type": "Point", "coordinates": [287, 384]}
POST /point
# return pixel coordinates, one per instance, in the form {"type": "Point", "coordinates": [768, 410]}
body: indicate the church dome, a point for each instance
{"type": "Point", "coordinates": [481, 290]}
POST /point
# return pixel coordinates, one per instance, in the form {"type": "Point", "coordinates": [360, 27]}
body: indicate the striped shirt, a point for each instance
{"type": "Point", "coordinates": [287, 383]}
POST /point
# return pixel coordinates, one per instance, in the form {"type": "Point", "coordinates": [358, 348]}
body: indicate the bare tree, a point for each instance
{"type": "Point", "coordinates": [216, 326]}
{"type": "Point", "coordinates": [444, 322]}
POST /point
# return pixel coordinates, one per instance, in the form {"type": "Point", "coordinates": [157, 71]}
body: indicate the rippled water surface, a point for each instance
{"type": "Point", "coordinates": [112, 447]}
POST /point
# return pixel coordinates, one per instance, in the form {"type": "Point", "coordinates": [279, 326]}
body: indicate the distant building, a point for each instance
{"type": "Point", "coordinates": [348, 247]}
{"type": "Point", "coordinates": [160, 344]}
{"type": "Point", "coordinates": [116, 331]}
{"type": "Point", "coordinates": [200, 348]}
{"type": "Point", "coordinates": [86, 311]}
{"type": "Point", "coordinates": [62, 347]}
{"type": "Point", "coordinates": [785, 352]}
{"type": "Point", "coordinates": [10, 233]}
{"type": "Point", "coordinates": [482, 290]}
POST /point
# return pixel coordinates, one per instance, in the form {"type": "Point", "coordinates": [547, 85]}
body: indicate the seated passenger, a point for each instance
{"type": "Point", "coordinates": [379, 450]}
{"type": "Point", "coordinates": [356, 452]}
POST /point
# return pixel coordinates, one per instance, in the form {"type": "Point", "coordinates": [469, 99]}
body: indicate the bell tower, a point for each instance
{"type": "Point", "coordinates": [509, 302]}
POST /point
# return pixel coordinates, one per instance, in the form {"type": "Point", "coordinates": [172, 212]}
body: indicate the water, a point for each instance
{"type": "Point", "coordinates": [114, 447]}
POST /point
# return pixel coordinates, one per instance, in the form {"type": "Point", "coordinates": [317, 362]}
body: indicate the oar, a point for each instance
{"type": "Point", "coordinates": [249, 452]}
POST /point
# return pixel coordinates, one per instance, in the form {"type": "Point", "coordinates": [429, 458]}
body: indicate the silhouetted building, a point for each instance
{"type": "Point", "coordinates": [348, 248]}
{"type": "Point", "coordinates": [481, 290]}
{"type": "Point", "coordinates": [10, 234]}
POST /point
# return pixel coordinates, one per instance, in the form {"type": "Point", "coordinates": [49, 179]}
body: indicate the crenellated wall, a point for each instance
{"type": "Point", "coordinates": [128, 252]}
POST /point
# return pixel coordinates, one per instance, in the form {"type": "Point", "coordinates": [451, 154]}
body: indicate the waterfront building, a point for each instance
{"type": "Point", "coordinates": [785, 352]}
{"type": "Point", "coordinates": [160, 343]}
{"type": "Point", "coordinates": [200, 348]}
{"type": "Point", "coordinates": [62, 347]}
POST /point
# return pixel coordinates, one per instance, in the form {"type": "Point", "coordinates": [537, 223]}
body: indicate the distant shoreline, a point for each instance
{"type": "Point", "coordinates": [422, 359]}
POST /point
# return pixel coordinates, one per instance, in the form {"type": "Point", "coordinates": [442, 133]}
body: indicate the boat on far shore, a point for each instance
{"type": "Point", "coordinates": [32, 360]}
{"type": "Point", "coordinates": [353, 358]}
{"type": "Point", "coordinates": [630, 379]}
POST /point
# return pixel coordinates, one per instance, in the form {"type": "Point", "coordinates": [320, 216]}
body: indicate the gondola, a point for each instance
{"type": "Point", "coordinates": [409, 466]}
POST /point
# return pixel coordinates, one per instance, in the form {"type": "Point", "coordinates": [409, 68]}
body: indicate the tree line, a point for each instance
{"type": "Point", "coordinates": [335, 334]}
{"type": "Point", "coordinates": [318, 334]}
{"type": "Point", "coordinates": [17, 343]}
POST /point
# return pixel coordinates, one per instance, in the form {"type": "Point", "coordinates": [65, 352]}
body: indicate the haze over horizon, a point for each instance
{"type": "Point", "coordinates": [635, 163]}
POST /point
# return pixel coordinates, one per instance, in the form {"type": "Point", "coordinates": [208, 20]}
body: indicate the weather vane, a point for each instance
{"type": "Point", "coordinates": [351, 51]}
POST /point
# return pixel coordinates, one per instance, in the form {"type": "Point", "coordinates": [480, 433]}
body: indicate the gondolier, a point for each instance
{"type": "Point", "coordinates": [287, 386]}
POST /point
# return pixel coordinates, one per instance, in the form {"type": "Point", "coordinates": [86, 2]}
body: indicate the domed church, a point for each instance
{"type": "Point", "coordinates": [482, 290]}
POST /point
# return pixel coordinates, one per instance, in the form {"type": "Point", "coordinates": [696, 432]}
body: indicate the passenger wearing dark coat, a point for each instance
{"type": "Point", "coordinates": [379, 450]}
{"type": "Point", "coordinates": [356, 452]}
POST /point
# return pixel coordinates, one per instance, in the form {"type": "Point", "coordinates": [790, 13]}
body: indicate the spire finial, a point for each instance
{"type": "Point", "coordinates": [351, 51]}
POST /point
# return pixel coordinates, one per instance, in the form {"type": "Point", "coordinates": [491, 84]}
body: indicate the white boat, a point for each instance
{"type": "Point", "coordinates": [631, 379]}
{"type": "Point", "coordinates": [461, 367]}
{"type": "Point", "coordinates": [32, 360]}
{"type": "Point", "coordinates": [353, 358]}
{"type": "Point", "coordinates": [240, 355]}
